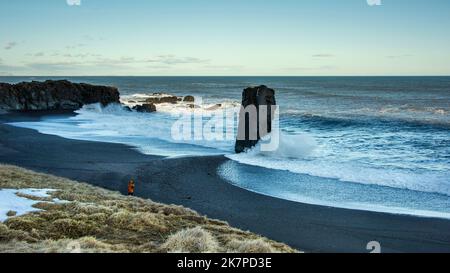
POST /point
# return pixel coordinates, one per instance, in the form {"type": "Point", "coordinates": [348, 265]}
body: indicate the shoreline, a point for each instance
{"type": "Point", "coordinates": [194, 183]}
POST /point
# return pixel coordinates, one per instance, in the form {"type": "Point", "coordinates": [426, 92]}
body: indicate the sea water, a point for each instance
{"type": "Point", "coordinates": [371, 143]}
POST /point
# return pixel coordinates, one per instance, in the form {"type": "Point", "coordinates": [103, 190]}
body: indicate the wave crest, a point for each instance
{"type": "Point", "coordinates": [289, 147]}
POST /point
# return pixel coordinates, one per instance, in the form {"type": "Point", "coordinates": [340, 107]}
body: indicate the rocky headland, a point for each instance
{"type": "Point", "coordinates": [54, 95]}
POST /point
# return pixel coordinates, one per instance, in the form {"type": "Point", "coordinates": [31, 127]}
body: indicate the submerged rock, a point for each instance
{"type": "Point", "coordinates": [189, 99]}
{"type": "Point", "coordinates": [249, 132]}
{"type": "Point", "coordinates": [145, 108]}
{"type": "Point", "coordinates": [54, 95]}
{"type": "Point", "coordinates": [161, 98]}
{"type": "Point", "coordinates": [127, 108]}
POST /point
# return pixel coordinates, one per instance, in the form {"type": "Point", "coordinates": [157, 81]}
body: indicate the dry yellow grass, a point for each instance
{"type": "Point", "coordinates": [252, 246]}
{"type": "Point", "coordinates": [192, 240]}
{"type": "Point", "coordinates": [98, 220]}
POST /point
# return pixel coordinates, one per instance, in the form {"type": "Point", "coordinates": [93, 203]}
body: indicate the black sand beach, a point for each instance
{"type": "Point", "coordinates": [194, 183]}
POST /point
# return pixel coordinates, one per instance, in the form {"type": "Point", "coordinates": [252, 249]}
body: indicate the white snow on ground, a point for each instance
{"type": "Point", "coordinates": [40, 193]}
{"type": "Point", "coordinates": [9, 201]}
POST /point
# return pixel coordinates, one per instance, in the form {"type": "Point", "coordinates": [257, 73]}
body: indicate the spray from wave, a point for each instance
{"type": "Point", "coordinates": [301, 154]}
{"type": "Point", "coordinates": [290, 147]}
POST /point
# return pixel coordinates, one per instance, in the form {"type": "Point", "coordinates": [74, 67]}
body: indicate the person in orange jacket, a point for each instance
{"type": "Point", "coordinates": [131, 187]}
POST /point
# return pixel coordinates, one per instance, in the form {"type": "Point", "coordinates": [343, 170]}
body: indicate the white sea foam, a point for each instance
{"type": "Point", "coordinates": [151, 133]}
{"type": "Point", "coordinates": [181, 107]}
{"type": "Point", "coordinates": [424, 115]}
{"type": "Point", "coordinates": [301, 154]}
{"type": "Point", "coordinates": [436, 182]}
{"type": "Point", "coordinates": [290, 147]}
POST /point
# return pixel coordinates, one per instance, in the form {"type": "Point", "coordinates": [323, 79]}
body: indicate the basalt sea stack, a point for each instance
{"type": "Point", "coordinates": [261, 99]}
{"type": "Point", "coordinates": [54, 95]}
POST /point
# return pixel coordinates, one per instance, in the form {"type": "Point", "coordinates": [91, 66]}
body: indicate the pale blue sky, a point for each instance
{"type": "Point", "coordinates": [225, 37]}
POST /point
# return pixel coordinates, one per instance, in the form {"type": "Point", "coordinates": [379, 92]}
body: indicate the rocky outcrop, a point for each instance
{"type": "Point", "coordinates": [148, 103]}
{"type": "Point", "coordinates": [162, 98]}
{"type": "Point", "coordinates": [54, 95]}
{"type": "Point", "coordinates": [145, 108]}
{"type": "Point", "coordinates": [249, 132]}
{"type": "Point", "coordinates": [189, 99]}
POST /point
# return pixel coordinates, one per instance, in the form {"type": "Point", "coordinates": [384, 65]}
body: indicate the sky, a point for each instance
{"type": "Point", "coordinates": [224, 37]}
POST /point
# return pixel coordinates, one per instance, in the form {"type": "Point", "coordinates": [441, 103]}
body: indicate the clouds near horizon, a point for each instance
{"type": "Point", "coordinates": [10, 45]}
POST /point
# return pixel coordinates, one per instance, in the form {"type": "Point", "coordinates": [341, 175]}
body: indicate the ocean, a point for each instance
{"type": "Point", "coordinates": [369, 143]}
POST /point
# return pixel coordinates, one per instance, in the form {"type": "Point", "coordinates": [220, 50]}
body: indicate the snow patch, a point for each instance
{"type": "Point", "coordinates": [10, 201]}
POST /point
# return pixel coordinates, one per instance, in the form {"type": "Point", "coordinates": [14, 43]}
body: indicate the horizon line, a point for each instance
{"type": "Point", "coordinates": [286, 76]}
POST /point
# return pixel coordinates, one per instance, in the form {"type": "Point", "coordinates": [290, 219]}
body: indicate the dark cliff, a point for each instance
{"type": "Point", "coordinates": [54, 95]}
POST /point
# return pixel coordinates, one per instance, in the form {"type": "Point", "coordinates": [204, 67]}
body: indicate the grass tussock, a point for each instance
{"type": "Point", "coordinates": [192, 240]}
{"type": "Point", "coordinates": [11, 213]}
{"type": "Point", "coordinates": [252, 246]}
{"type": "Point", "coordinates": [98, 220]}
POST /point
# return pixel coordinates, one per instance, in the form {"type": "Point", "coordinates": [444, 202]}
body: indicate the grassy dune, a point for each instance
{"type": "Point", "coordinates": [98, 220]}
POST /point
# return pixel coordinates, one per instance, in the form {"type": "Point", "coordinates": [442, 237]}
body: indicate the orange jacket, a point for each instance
{"type": "Point", "coordinates": [131, 187]}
